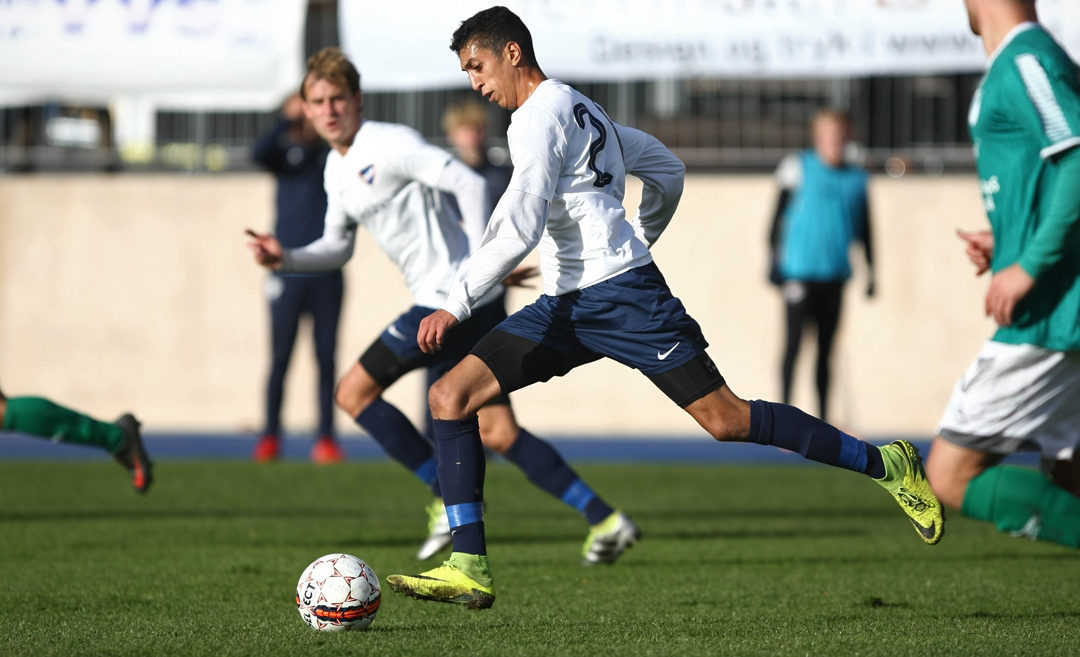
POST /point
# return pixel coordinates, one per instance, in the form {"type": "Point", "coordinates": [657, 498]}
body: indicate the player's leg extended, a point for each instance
{"type": "Point", "coordinates": [1020, 501]}
{"type": "Point", "coordinates": [465, 578]}
{"type": "Point", "coordinates": [36, 416]}
{"type": "Point", "coordinates": [611, 532]}
{"type": "Point", "coordinates": [897, 467]}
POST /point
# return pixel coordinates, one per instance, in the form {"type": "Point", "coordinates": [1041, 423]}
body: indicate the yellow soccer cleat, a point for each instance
{"type": "Point", "coordinates": [906, 480]}
{"type": "Point", "coordinates": [463, 579]}
{"type": "Point", "coordinates": [609, 539]}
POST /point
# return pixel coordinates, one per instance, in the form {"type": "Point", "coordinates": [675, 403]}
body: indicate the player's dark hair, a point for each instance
{"type": "Point", "coordinates": [493, 28]}
{"type": "Point", "coordinates": [332, 65]}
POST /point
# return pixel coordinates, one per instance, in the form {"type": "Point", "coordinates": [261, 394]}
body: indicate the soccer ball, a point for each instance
{"type": "Point", "coordinates": [338, 593]}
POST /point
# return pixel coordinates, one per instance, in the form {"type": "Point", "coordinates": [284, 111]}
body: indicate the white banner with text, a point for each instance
{"type": "Point", "coordinates": [405, 44]}
{"type": "Point", "coordinates": [178, 54]}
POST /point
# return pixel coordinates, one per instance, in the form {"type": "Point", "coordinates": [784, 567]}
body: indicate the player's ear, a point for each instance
{"type": "Point", "coordinates": [512, 52]}
{"type": "Point", "coordinates": [358, 98]}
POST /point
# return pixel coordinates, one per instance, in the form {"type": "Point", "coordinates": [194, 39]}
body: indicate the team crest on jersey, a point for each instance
{"type": "Point", "coordinates": [368, 174]}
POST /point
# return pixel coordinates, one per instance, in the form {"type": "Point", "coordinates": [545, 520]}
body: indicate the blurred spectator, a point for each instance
{"type": "Point", "coordinates": [296, 156]}
{"type": "Point", "coordinates": [823, 208]}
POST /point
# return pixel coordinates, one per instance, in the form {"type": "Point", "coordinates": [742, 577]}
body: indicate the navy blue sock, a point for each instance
{"type": "Point", "coordinates": [461, 475]}
{"type": "Point", "coordinates": [400, 439]}
{"type": "Point", "coordinates": [547, 469]}
{"type": "Point", "coordinates": [788, 427]}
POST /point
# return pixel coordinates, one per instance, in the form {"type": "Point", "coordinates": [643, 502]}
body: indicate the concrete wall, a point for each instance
{"type": "Point", "coordinates": [137, 292]}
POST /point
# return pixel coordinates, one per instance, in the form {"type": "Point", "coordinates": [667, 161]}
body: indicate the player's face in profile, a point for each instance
{"type": "Point", "coordinates": [490, 74]}
{"type": "Point", "coordinates": [332, 111]}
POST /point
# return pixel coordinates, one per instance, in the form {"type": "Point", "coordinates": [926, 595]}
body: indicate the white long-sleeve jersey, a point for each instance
{"type": "Point", "coordinates": [565, 196]}
{"type": "Point", "coordinates": [390, 181]}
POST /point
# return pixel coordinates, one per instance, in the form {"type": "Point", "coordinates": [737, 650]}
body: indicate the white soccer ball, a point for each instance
{"type": "Point", "coordinates": [338, 593]}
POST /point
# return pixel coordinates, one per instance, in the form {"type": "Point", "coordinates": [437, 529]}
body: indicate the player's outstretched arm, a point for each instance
{"type": "Point", "coordinates": [267, 249]}
{"type": "Point", "coordinates": [433, 330]}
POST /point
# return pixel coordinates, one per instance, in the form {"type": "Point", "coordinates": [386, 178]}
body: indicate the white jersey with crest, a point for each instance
{"type": "Point", "coordinates": [565, 197]}
{"type": "Point", "coordinates": [391, 182]}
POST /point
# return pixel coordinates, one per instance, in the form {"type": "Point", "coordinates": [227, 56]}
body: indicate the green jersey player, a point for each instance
{"type": "Point", "coordinates": [43, 418]}
{"type": "Point", "coordinates": [1023, 390]}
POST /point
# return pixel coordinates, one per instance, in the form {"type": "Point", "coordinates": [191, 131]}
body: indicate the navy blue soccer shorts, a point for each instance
{"type": "Point", "coordinates": [632, 318]}
{"type": "Point", "coordinates": [396, 353]}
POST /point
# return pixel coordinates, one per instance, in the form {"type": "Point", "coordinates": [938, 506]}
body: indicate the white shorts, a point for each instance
{"type": "Point", "coordinates": [1017, 397]}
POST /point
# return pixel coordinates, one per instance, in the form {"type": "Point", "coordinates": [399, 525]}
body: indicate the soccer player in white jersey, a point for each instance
{"type": "Point", "coordinates": [1023, 390]}
{"type": "Point", "coordinates": [603, 296]}
{"type": "Point", "coordinates": [387, 178]}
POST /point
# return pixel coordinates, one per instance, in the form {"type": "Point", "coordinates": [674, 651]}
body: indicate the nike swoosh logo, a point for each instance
{"type": "Point", "coordinates": [393, 330]}
{"type": "Point", "coordinates": [663, 355]}
{"type": "Point", "coordinates": [926, 532]}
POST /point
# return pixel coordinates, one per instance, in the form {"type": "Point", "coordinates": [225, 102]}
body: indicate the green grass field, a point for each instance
{"type": "Point", "coordinates": [735, 560]}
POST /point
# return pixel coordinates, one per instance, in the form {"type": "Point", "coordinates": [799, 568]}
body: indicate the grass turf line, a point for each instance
{"type": "Point", "coordinates": [748, 560]}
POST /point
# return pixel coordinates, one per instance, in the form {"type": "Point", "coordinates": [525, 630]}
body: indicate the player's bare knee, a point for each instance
{"type": "Point", "coordinates": [498, 437]}
{"type": "Point", "coordinates": [723, 415]}
{"type": "Point", "coordinates": [352, 398]}
{"type": "Point", "coordinates": [727, 428]}
{"type": "Point", "coordinates": [446, 403]}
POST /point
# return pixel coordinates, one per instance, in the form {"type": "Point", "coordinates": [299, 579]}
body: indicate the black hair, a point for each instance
{"type": "Point", "coordinates": [493, 28]}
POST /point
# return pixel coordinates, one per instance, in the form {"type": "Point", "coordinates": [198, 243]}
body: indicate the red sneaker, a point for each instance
{"type": "Point", "coordinates": [267, 449]}
{"type": "Point", "coordinates": [326, 450]}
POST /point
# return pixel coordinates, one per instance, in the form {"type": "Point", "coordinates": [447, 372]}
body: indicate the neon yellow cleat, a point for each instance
{"type": "Point", "coordinates": [906, 480]}
{"type": "Point", "coordinates": [609, 539]}
{"type": "Point", "coordinates": [438, 530]}
{"type": "Point", "coordinates": [463, 579]}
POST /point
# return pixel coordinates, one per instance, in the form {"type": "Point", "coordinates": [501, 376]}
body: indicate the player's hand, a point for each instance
{"type": "Point", "coordinates": [433, 330]}
{"type": "Point", "coordinates": [1007, 288]}
{"type": "Point", "coordinates": [980, 248]}
{"type": "Point", "coordinates": [518, 277]}
{"type": "Point", "coordinates": [267, 249]}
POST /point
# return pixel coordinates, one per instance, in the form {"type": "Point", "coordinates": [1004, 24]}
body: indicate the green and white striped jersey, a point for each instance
{"type": "Point", "coordinates": [1025, 113]}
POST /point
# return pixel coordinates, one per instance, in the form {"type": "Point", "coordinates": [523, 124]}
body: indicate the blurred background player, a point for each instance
{"type": "Point", "coordinates": [823, 208]}
{"type": "Point", "coordinates": [295, 154]}
{"type": "Point", "coordinates": [466, 127]}
{"type": "Point", "coordinates": [385, 177]}
{"type": "Point", "coordinates": [1023, 390]}
{"type": "Point", "coordinates": [40, 417]}
{"type": "Point", "coordinates": [603, 296]}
